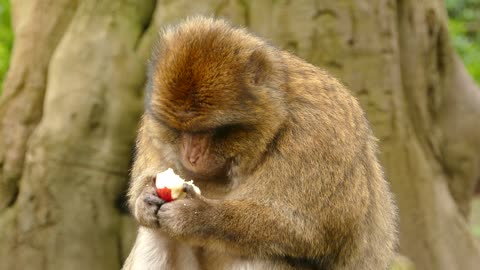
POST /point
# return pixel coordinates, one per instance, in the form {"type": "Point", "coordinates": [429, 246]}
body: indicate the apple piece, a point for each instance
{"type": "Point", "coordinates": [170, 186]}
{"type": "Point", "coordinates": [165, 193]}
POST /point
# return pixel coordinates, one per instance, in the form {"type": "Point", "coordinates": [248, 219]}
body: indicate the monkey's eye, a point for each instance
{"type": "Point", "coordinates": [226, 130]}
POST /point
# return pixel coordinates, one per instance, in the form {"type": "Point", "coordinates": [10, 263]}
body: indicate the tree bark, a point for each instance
{"type": "Point", "coordinates": [69, 115]}
{"type": "Point", "coordinates": [72, 99]}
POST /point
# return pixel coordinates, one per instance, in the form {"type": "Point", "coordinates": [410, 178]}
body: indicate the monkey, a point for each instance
{"type": "Point", "coordinates": [281, 150]}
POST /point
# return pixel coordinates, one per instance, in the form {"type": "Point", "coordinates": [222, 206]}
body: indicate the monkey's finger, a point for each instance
{"type": "Point", "coordinates": [152, 199]}
{"type": "Point", "coordinates": [191, 193]}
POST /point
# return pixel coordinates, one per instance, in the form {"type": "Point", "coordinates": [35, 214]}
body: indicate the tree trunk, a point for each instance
{"type": "Point", "coordinates": [72, 98]}
{"type": "Point", "coordinates": [69, 114]}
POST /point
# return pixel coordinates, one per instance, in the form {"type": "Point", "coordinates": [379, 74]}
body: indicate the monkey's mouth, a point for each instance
{"type": "Point", "coordinates": [209, 172]}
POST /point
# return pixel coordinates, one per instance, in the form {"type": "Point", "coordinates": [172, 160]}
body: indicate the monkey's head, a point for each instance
{"type": "Point", "coordinates": [215, 95]}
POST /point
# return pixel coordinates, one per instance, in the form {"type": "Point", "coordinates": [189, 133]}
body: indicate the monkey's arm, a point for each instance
{"type": "Point", "coordinates": [243, 227]}
{"type": "Point", "coordinates": [225, 225]}
{"type": "Point", "coordinates": [148, 162]}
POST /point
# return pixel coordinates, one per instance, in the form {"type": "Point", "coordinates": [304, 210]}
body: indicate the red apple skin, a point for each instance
{"type": "Point", "coordinates": [165, 194]}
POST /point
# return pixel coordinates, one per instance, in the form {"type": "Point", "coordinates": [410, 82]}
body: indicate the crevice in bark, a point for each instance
{"type": "Point", "coordinates": [431, 97]}
{"type": "Point", "coordinates": [148, 24]}
{"type": "Point", "coordinates": [14, 198]}
{"type": "Point", "coordinates": [292, 45]}
{"type": "Point", "coordinates": [119, 245]}
{"type": "Point", "coordinates": [122, 199]}
{"type": "Point", "coordinates": [440, 50]}
{"type": "Point", "coordinates": [431, 22]}
{"type": "Point", "coordinates": [10, 95]}
{"type": "Point", "coordinates": [353, 26]}
{"type": "Point", "coordinates": [324, 12]}
{"type": "Point", "coordinates": [121, 202]}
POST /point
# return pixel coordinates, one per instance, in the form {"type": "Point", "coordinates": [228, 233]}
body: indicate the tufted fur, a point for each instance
{"type": "Point", "coordinates": [303, 187]}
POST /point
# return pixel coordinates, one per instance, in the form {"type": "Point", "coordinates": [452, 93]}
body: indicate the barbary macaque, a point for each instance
{"type": "Point", "coordinates": [282, 153]}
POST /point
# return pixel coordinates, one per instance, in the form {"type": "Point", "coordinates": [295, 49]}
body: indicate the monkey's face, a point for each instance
{"type": "Point", "coordinates": [204, 154]}
{"type": "Point", "coordinates": [209, 129]}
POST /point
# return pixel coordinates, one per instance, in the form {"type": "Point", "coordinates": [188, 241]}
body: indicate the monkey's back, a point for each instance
{"type": "Point", "coordinates": [328, 131]}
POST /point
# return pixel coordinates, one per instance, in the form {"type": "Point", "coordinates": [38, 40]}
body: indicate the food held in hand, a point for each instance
{"type": "Point", "coordinates": [170, 186]}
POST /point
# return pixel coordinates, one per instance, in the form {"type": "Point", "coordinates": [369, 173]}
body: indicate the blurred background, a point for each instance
{"type": "Point", "coordinates": [72, 75]}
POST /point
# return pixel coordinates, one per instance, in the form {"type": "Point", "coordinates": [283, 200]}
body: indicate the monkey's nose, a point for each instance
{"type": "Point", "coordinates": [193, 159]}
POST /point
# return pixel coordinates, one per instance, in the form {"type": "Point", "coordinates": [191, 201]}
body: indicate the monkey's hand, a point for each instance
{"type": "Point", "coordinates": [147, 206]}
{"type": "Point", "coordinates": [176, 217]}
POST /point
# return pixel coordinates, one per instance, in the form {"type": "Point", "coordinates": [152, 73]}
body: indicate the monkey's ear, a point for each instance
{"type": "Point", "coordinates": [259, 67]}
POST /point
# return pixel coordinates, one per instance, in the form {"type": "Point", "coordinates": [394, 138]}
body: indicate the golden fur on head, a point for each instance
{"type": "Point", "coordinates": [205, 70]}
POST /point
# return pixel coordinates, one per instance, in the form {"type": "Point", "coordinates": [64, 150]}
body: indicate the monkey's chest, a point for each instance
{"type": "Point", "coordinates": [213, 260]}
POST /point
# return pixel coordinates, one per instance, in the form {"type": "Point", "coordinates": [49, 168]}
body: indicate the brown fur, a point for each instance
{"type": "Point", "coordinates": [287, 162]}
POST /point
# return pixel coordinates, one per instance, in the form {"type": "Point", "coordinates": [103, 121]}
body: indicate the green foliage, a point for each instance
{"type": "Point", "coordinates": [6, 38]}
{"type": "Point", "coordinates": [464, 25]}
